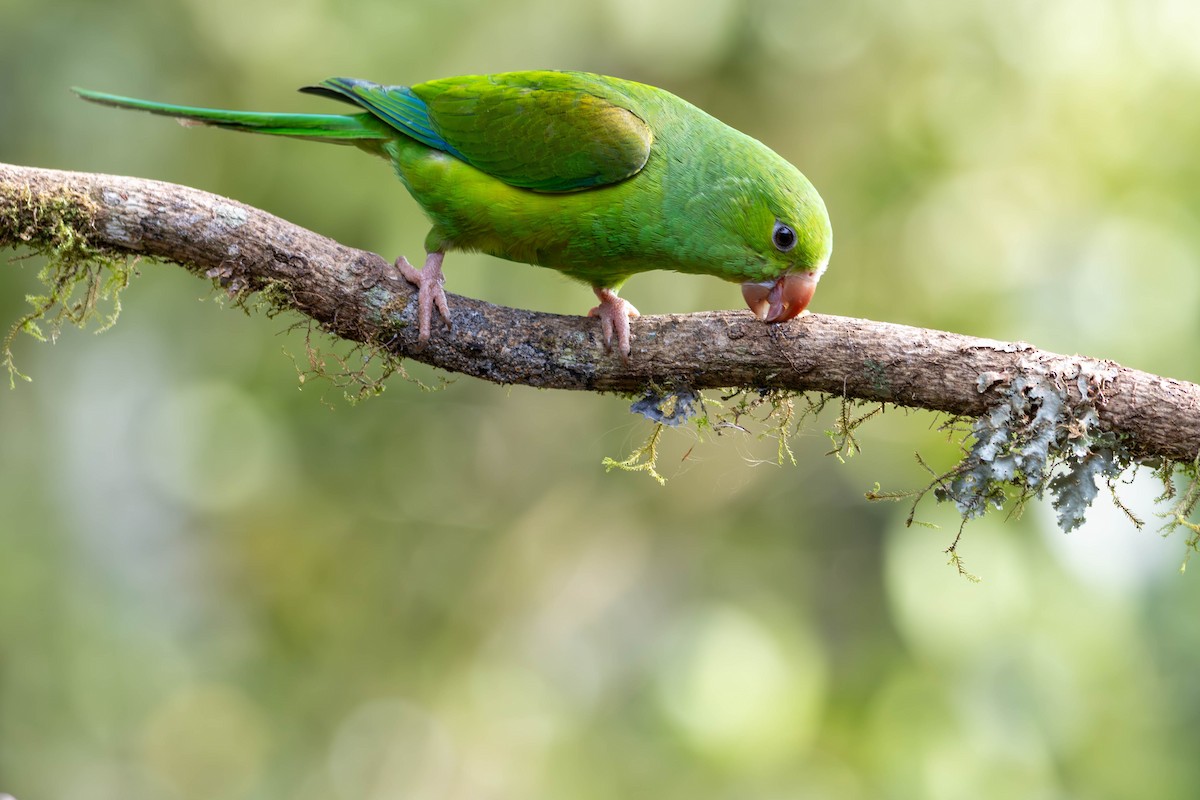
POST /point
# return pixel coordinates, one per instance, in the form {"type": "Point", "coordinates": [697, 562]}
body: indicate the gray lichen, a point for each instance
{"type": "Point", "coordinates": [668, 408]}
{"type": "Point", "coordinates": [1039, 437]}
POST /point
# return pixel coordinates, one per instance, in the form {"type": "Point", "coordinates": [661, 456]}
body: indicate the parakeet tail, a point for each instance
{"type": "Point", "coordinates": [336, 128]}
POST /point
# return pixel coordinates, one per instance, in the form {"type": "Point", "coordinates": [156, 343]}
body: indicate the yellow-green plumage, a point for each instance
{"type": "Point", "coordinates": [597, 177]}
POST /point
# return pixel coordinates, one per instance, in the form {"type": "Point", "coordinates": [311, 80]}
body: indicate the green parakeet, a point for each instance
{"type": "Point", "coordinates": [596, 177]}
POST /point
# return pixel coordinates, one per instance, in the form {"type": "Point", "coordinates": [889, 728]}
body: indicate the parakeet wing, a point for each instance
{"type": "Point", "coordinates": [545, 131]}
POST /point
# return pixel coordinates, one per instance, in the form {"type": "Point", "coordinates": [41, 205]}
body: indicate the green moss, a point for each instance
{"type": "Point", "coordinates": [358, 371]}
{"type": "Point", "coordinates": [643, 459]}
{"type": "Point", "coordinates": [1181, 489]}
{"type": "Point", "coordinates": [771, 414]}
{"type": "Point", "coordinates": [845, 444]}
{"type": "Point", "coordinates": [82, 282]}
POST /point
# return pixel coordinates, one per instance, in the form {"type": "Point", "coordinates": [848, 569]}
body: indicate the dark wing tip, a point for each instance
{"type": "Point", "coordinates": [324, 91]}
{"type": "Point", "coordinates": [344, 89]}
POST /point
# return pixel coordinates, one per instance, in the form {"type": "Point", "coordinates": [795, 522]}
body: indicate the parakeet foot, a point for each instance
{"type": "Point", "coordinates": [429, 281]}
{"type": "Point", "coordinates": [614, 314]}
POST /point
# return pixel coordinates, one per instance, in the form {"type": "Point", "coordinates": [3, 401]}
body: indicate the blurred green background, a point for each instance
{"type": "Point", "coordinates": [213, 585]}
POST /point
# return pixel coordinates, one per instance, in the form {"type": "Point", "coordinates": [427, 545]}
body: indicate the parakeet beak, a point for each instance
{"type": "Point", "coordinates": [782, 299]}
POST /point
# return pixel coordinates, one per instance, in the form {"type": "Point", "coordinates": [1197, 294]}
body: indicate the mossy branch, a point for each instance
{"type": "Point", "coordinates": [356, 295]}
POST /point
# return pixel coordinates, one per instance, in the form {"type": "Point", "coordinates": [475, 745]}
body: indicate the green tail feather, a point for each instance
{"type": "Point", "coordinates": [335, 128]}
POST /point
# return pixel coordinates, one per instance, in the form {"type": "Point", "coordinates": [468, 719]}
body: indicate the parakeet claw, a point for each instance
{"type": "Point", "coordinates": [429, 281]}
{"type": "Point", "coordinates": [614, 314]}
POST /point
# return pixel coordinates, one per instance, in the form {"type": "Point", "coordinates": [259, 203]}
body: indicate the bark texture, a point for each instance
{"type": "Point", "coordinates": [358, 295]}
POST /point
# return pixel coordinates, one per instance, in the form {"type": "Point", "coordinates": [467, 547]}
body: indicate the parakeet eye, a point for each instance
{"type": "Point", "coordinates": [783, 237]}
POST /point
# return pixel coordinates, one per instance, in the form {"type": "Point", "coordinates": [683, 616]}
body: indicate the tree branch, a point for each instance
{"type": "Point", "coordinates": [357, 295]}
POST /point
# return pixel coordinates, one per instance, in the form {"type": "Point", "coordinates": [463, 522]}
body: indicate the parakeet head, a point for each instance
{"type": "Point", "coordinates": [788, 228]}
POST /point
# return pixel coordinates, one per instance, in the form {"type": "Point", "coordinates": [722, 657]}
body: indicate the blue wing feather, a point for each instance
{"type": "Point", "coordinates": [395, 105]}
